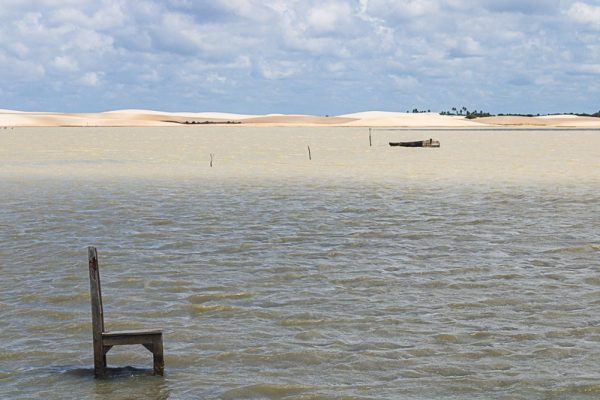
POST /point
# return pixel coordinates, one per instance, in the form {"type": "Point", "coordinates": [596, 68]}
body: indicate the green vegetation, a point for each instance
{"type": "Point", "coordinates": [518, 115]}
{"type": "Point", "coordinates": [463, 111]}
{"type": "Point", "coordinates": [204, 122]}
{"type": "Point", "coordinates": [597, 115]}
{"type": "Point", "coordinates": [468, 114]}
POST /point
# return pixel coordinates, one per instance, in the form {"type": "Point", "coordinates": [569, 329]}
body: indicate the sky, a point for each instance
{"type": "Point", "coordinates": [320, 57]}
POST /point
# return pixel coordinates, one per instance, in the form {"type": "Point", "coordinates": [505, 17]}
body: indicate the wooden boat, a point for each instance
{"type": "Point", "coordinates": [418, 143]}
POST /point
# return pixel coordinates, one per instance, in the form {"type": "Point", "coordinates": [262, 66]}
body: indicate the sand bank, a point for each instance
{"type": "Point", "coordinates": [558, 121]}
{"type": "Point", "coordinates": [9, 118]}
{"type": "Point", "coordinates": [243, 154]}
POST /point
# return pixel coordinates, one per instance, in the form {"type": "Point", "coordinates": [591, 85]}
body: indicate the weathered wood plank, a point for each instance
{"type": "Point", "coordinates": [158, 356]}
{"type": "Point", "coordinates": [97, 312]}
{"type": "Point", "coordinates": [141, 338]}
{"type": "Point", "coordinates": [132, 332]}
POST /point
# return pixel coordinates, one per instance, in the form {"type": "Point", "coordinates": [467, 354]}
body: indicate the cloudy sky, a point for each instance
{"type": "Point", "coordinates": [300, 56]}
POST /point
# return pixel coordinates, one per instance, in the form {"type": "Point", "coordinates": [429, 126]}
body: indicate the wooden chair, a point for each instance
{"type": "Point", "coordinates": [104, 340]}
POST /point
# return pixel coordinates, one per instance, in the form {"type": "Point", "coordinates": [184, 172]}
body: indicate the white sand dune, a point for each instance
{"type": "Point", "coordinates": [557, 116]}
{"type": "Point", "coordinates": [297, 120]}
{"type": "Point", "coordinates": [166, 114]}
{"type": "Point", "coordinates": [138, 117]}
{"type": "Point", "coordinates": [399, 119]}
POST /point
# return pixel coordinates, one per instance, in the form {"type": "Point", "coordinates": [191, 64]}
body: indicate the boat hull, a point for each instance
{"type": "Point", "coordinates": [418, 143]}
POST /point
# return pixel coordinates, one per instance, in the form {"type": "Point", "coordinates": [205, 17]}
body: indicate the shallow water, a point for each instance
{"type": "Point", "coordinates": [474, 276]}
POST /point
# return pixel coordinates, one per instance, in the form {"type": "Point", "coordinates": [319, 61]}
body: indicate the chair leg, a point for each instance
{"type": "Point", "coordinates": [100, 365]}
{"type": "Point", "coordinates": [158, 357]}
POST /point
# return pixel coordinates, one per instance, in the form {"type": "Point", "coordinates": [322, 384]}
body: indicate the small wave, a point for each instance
{"type": "Point", "coordinates": [362, 281]}
{"type": "Point", "coordinates": [433, 284]}
{"type": "Point", "coordinates": [481, 334]}
{"type": "Point", "coordinates": [462, 306]}
{"type": "Point", "coordinates": [446, 371]}
{"type": "Point", "coordinates": [127, 282]}
{"type": "Point", "coordinates": [65, 298]}
{"type": "Point", "coordinates": [202, 309]}
{"type": "Point", "coordinates": [524, 337]}
{"type": "Point", "coordinates": [483, 354]}
{"type": "Point", "coordinates": [378, 346]}
{"type": "Point", "coordinates": [477, 221]}
{"type": "Point", "coordinates": [162, 222]}
{"type": "Point", "coordinates": [501, 301]}
{"type": "Point", "coordinates": [446, 338]}
{"type": "Point", "coordinates": [470, 285]}
{"type": "Point", "coordinates": [51, 314]}
{"type": "Point", "coordinates": [422, 352]}
{"type": "Point", "coordinates": [240, 248]}
{"type": "Point", "coordinates": [507, 276]}
{"type": "Point", "coordinates": [204, 298]}
{"type": "Point", "coordinates": [594, 281]}
{"type": "Point", "coordinates": [557, 353]}
{"type": "Point", "coordinates": [303, 321]}
{"type": "Point", "coordinates": [587, 248]}
{"type": "Point", "coordinates": [309, 335]}
{"type": "Point", "coordinates": [265, 390]}
{"type": "Point", "coordinates": [286, 358]}
{"type": "Point", "coordinates": [591, 389]}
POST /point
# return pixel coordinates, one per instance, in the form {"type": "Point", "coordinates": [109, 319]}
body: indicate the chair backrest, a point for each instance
{"type": "Point", "coordinates": [95, 294]}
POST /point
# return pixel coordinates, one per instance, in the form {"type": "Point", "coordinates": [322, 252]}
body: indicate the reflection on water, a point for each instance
{"type": "Point", "coordinates": [302, 283]}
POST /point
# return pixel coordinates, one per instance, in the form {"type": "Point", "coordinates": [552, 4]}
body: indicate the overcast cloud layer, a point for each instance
{"type": "Point", "coordinates": [300, 56]}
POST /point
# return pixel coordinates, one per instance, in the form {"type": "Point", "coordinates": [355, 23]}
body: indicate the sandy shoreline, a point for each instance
{"type": "Point", "coordinates": [10, 118]}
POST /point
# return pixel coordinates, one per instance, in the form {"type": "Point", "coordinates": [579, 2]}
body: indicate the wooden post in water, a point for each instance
{"type": "Point", "coordinates": [370, 141]}
{"type": "Point", "coordinates": [309, 155]}
{"type": "Point", "coordinates": [212, 156]}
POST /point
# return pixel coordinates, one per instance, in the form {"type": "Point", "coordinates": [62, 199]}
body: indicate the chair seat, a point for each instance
{"type": "Point", "coordinates": [146, 338]}
{"type": "Point", "coordinates": [137, 332]}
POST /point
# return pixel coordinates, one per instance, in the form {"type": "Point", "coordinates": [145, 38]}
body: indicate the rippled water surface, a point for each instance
{"type": "Point", "coordinates": [470, 271]}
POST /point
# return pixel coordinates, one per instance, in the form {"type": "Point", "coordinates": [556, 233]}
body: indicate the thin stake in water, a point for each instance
{"type": "Point", "coordinates": [212, 156]}
{"type": "Point", "coordinates": [370, 141]}
{"type": "Point", "coordinates": [309, 155]}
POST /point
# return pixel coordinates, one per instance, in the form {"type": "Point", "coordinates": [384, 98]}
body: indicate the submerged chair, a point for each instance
{"type": "Point", "coordinates": [104, 340]}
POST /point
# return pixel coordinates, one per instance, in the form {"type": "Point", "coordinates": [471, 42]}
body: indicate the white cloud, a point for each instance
{"type": "Point", "coordinates": [12, 69]}
{"type": "Point", "coordinates": [214, 77]}
{"type": "Point", "coordinates": [585, 13]}
{"type": "Point", "coordinates": [151, 76]}
{"type": "Point", "coordinates": [329, 17]}
{"type": "Point", "coordinates": [279, 69]}
{"type": "Point", "coordinates": [463, 47]}
{"type": "Point", "coordinates": [256, 10]}
{"type": "Point", "coordinates": [400, 9]}
{"type": "Point", "coordinates": [65, 63]}
{"type": "Point", "coordinates": [90, 79]}
{"type": "Point", "coordinates": [19, 49]}
{"type": "Point", "coordinates": [335, 67]}
{"type": "Point", "coordinates": [404, 82]}
{"type": "Point", "coordinates": [593, 69]}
